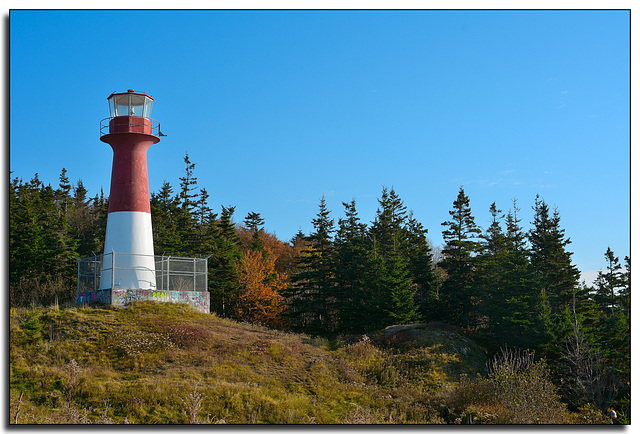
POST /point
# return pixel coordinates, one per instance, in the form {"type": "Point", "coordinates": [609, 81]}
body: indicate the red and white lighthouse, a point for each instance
{"type": "Point", "coordinates": [128, 260]}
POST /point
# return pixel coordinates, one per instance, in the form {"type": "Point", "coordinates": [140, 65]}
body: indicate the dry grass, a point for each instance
{"type": "Point", "coordinates": [166, 363]}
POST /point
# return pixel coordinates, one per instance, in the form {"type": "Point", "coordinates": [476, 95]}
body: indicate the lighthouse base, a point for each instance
{"type": "Point", "coordinates": [179, 280]}
{"type": "Point", "coordinates": [199, 300]}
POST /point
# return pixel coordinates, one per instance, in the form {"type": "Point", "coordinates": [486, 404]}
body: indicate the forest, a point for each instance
{"type": "Point", "coordinates": [504, 286]}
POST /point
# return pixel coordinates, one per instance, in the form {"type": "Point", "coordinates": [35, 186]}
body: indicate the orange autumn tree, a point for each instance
{"type": "Point", "coordinates": [260, 300]}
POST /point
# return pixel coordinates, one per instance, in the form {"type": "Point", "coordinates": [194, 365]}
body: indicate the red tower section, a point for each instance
{"type": "Point", "coordinates": [130, 137]}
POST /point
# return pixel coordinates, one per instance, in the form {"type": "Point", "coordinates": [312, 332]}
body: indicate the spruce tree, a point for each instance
{"type": "Point", "coordinates": [185, 218]}
{"type": "Point", "coordinates": [460, 250]}
{"type": "Point", "coordinates": [550, 259]}
{"type": "Point", "coordinates": [555, 277]}
{"type": "Point", "coordinates": [351, 270]}
{"type": "Point", "coordinates": [207, 231]}
{"type": "Point", "coordinates": [420, 268]}
{"type": "Point", "coordinates": [224, 284]}
{"type": "Point", "coordinates": [188, 186]}
{"type": "Point", "coordinates": [253, 221]}
{"type": "Point", "coordinates": [608, 284]}
{"type": "Point", "coordinates": [515, 321]}
{"type": "Point", "coordinates": [63, 195]}
{"type": "Point", "coordinates": [312, 302]}
{"type": "Point", "coordinates": [389, 224]}
{"type": "Point", "coordinates": [392, 244]}
{"type": "Point", "coordinates": [491, 277]}
{"type": "Point", "coordinates": [164, 217]}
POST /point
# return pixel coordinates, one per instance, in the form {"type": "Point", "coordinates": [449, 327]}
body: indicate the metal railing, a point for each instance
{"type": "Point", "coordinates": [135, 124]}
{"type": "Point", "coordinates": [171, 273]}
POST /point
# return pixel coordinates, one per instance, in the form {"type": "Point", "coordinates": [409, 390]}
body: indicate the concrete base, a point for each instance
{"type": "Point", "coordinates": [199, 300]}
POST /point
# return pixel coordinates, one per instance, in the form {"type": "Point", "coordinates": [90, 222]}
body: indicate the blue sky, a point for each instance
{"type": "Point", "coordinates": [277, 108]}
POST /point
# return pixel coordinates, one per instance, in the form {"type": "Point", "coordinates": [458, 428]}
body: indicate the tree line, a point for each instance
{"type": "Point", "coordinates": [506, 286]}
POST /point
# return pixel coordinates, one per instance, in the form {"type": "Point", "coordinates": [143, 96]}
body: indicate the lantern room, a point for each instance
{"type": "Point", "coordinates": [130, 112]}
{"type": "Point", "coordinates": [131, 103]}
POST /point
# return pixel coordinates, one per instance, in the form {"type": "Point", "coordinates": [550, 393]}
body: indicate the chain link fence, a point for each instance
{"type": "Point", "coordinates": [118, 270]}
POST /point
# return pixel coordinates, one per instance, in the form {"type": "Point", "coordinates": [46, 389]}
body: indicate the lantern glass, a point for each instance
{"type": "Point", "coordinates": [130, 104]}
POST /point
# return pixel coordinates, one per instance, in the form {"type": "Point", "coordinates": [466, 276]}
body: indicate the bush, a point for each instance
{"type": "Point", "coordinates": [523, 387]}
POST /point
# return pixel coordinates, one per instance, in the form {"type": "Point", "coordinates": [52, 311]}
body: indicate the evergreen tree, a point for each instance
{"type": "Point", "coordinates": [41, 248]}
{"type": "Point", "coordinates": [388, 228]}
{"type": "Point", "coordinates": [625, 289]}
{"type": "Point", "coordinates": [492, 278]}
{"type": "Point", "coordinates": [99, 228]}
{"type": "Point", "coordinates": [224, 283]}
{"type": "Point", "coordinates": [515, 318]}
{"type": "Point", "coordinates": [188, 186]}
{"type": "Point", "coordinates": [392, 243]}
{"type": "Point", "coordinates": [207, 232]}
{"type": "Point", "coordinates": [63, 195]}
{"type": "Point", "coordinates": [461, 248]}
{"type": "Point", "coordinates": [351, 271]}
{"type": "Point", "coordinates": [164, 217]}
{"type": "Point", "coordinates": [550, 259]}
{"type": "Point", "coordinates": [420, 269]}
{"type": "Point", "coordinates": [394, 301]}
{"type": "Point", "coordinates": [254, 223]}
{"type": "Point", "coordinates": [312, 295]}
{"type": "Point", "coordinates": [79, 218]}
{"type": "Point", "coordinates": [609, 283]}
{"type": "Point", "coordinates": [185, 217]}
{"type": "Point", "coordinates": [612, 330]}
{"type": "Point", "coordinates": [555, 277]}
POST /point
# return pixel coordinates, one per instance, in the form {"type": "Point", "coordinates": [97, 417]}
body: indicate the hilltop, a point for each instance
{"type": "Point", "coordinates": [166, 363]}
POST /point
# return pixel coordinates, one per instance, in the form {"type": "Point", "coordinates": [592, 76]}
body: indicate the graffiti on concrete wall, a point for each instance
{"type": "Point", "coordinates": [93, 297]}
{"type": "Point", "coordinates": [200, 300]}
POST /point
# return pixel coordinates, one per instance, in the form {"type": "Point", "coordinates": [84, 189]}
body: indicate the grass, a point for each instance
{"type": "Point", "coordinates": [169, 364]}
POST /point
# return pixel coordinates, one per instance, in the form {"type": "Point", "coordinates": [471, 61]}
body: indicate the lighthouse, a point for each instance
{"type": "Point", "coordinates": [128, 260]}
{"type": "Point", "coordinates": [128, 271]}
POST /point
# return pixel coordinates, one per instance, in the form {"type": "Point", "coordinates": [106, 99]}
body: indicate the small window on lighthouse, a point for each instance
{"type": "Point", "coordinates": [148, 102]}
{"type": "Point", "coordinates": [122, 105]}
{"type": "Point", "coordinates": [112, 107]}
{"type": "Point", "coordinates": [137, 105]}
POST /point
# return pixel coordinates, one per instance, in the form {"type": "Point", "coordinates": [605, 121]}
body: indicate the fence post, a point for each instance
{"type": "Point", "coordinates": [194, 274]}
{"type": "Point", "coordinates": [168, 268]}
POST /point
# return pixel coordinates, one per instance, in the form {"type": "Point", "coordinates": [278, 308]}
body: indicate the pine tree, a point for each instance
{"type": "Point", "coordinates": [224, 283]}
{"type": "Point", "coordinates": [351, 270]}
{"type": "Point", "coordinates": [461, 248]}
{"type": "Point", "coordinates": [254, 223]}
{"type": "Point", "coordinates": [609, 283]}
{"type": "Point", "coordinates": [491, 277]}
{"type": "Point", "coordinates": [555, 277]}
{"type": "Point", "coordinates": [63, 195]}
{"type": "Point", "coordinates": [185, 217]}
{"type": "Point", "coordinates": [41, 249]}
{"type": "Point", "coordinates": [516, 322]}
{"type": "Point", "coordinates": [207, 233]}
{"type": "Point", "coordinates": [164, 217]}
{"type": "Point", "coordinates": [396, 304]}
{"type": "Point", "coordinates": [312, 299]}
{"type": "Point", "coordinates": [188, 186]}
{"type": "Point", "coordinates": [392, 244]}
{"type": "Point", "coordinates": [420, 270]}
{"type": "Point", "coordinates": [389, 224]}
{"type": "Point", "coordinates": [550, 259]}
